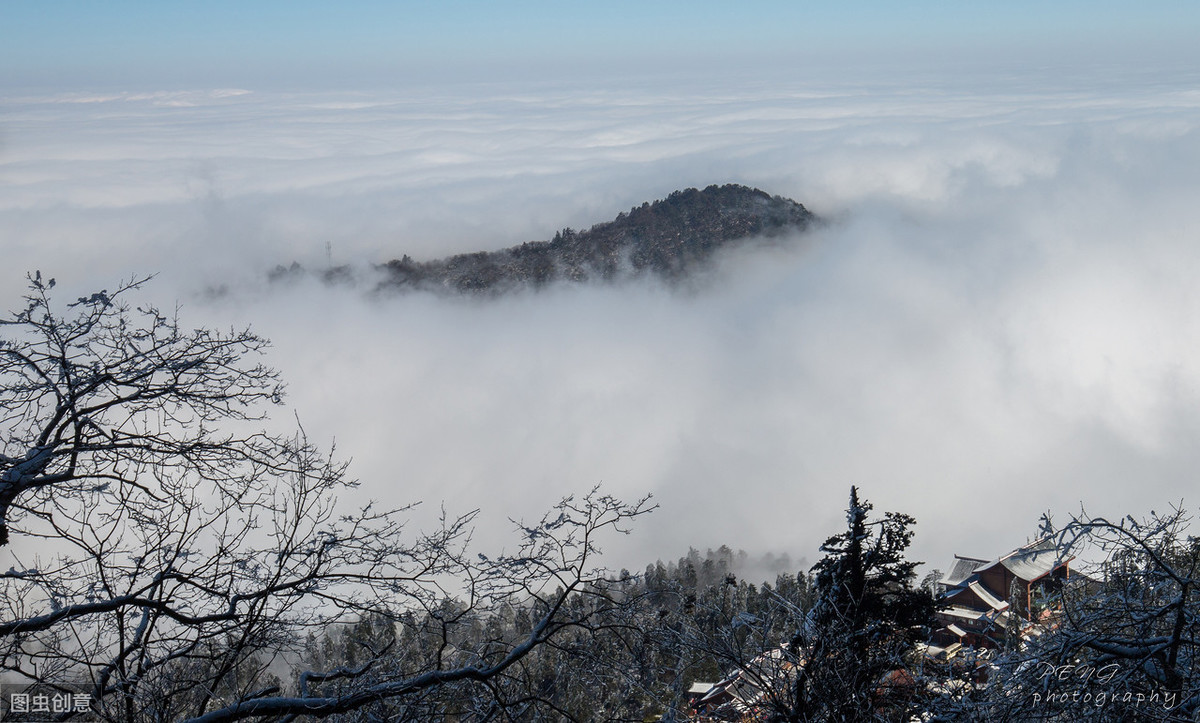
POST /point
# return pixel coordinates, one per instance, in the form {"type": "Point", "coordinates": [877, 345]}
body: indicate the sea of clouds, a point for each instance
{"type": "Point", "coordinates": [999, 319]}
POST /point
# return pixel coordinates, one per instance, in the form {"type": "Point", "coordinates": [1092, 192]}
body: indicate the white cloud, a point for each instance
{"type": "Point", "coordinates": [999, 320]}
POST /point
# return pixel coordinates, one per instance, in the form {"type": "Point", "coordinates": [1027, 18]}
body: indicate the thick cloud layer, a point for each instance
{"type": "Point", "coordinates": [999, 320]}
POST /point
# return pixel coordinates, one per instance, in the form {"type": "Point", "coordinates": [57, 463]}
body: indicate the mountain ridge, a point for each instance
{"type": "Point", "coordinates": [668, 238]}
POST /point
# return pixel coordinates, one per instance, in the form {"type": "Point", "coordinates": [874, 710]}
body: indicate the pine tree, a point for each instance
{"type": "Point", "coordinates": [867, 617]}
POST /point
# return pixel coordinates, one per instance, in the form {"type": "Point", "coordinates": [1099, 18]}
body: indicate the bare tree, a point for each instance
{"type": "Point", "coordinates": [173, 559]}
{"type": "Point", "coordinates": [1120, 639]}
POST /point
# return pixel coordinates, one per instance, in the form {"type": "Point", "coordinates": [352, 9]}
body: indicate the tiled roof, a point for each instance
{"type": "Point", "coordinates": [962, 568]}
{"type": "Point", "coordinates": [986, 596]}
{"type": "Point", "coordinates": [1030, 562]}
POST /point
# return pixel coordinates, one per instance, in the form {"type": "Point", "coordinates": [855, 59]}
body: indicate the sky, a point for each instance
{"type": "Point", "coordinates": [308, 44]}
{"type": "Point", "coordinates": [998, 320]}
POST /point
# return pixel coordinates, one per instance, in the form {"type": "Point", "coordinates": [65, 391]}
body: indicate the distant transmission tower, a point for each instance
{"type": "Point", "coordinates": [329, 254]}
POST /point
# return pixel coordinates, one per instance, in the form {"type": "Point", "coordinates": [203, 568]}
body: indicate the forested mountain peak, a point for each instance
{"type": "Point", "coordinates": [668, 238]}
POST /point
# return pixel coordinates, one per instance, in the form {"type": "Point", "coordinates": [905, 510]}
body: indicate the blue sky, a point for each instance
{"type": "Point", "coordinates": [321, 44]}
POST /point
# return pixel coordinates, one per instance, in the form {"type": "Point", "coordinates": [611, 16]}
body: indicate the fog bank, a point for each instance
{"type": "Point", "coordinates": [999, 319]}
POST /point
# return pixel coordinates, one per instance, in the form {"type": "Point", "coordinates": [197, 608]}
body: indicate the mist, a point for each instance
{"type": "Point", "coordinates": [998, 319]}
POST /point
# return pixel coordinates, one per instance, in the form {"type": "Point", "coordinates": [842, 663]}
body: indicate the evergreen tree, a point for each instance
{"type": "Point", "coordinates": [851, 649]}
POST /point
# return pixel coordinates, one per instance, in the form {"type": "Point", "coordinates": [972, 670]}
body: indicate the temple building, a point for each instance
{"type": "Point", "coordinates": [987, 600]}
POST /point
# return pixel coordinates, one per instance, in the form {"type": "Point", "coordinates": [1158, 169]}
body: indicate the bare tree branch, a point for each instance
{"type": "Point", "coordinates": [177, 564]}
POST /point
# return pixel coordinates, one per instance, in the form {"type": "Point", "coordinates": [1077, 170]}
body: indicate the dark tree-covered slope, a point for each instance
{"type": "Point", "coordinates": [667, 238]}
